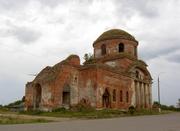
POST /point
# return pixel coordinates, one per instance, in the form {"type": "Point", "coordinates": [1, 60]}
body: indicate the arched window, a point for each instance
{"type": "Point", "coordinates": [135, 51]}
{"type": "Point", "coordinates": [75, 79]}
{"type": "Point", "coordinates": [121, 96]}
{"type": "Point", "coordinates": [121, 47]}
{"type": "Point", "coordinates": [127, 96]}
{"type": "Point", "coordinates": [137, 74]}
{"type": "Point", "coordinates": [66, 95]}
{"type": "Point", "coordinates": [106, 99]}
{"type": "Point", "coordinates": [38, 95]}
{"type": "Point", "coordinates": [103, 49]}
{"type": "Point", "coordinates": [114, 95]}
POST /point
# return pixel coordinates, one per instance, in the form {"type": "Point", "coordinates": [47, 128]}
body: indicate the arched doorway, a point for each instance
{"type": "Point", "coordinates": [66, 95]}
{"type": "Point", "coordinates": [38, 95]}
{"type": "Point", "coordinates": [106, 99]}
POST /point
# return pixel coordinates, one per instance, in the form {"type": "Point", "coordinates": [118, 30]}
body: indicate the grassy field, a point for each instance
{"type": "Point", "coordinates": [5, 111]}
{"type": "Point", "coordinates": [8, 117]}
{"type": "Point", "coordinates": [95, 114]}
{"type": "Point", "coordinates": [19, 120]}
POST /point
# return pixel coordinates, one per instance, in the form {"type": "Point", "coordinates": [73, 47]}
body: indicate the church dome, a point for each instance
{"type": "Point", "coordinates": [115, 34]}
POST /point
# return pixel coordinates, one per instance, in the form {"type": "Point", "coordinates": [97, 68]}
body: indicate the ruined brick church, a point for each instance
{"type": "Point", "coordinates": [113, 78]}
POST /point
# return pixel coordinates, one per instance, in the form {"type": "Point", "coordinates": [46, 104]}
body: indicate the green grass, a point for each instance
{"type": "Point", "coordinates": [79, 114]}
{"type": "Point", "coordinates": [5, 111]}
{"type": "Point", "coordinates": [18, 120]}
{"type": "Point", "coordinates": [84, 114]}
{"type": "Point", "coordinates": [93, 114]}
{"type": "Point", "coordinates": [14, 118]}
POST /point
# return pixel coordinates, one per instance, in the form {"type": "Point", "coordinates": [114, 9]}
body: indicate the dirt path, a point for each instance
{"type": "Point", "coordinates": [167, 122]}
{"type": "Point", "coordinates": [55, 119]}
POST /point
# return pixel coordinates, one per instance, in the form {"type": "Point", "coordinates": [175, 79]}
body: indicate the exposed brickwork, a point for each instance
{"type": "Point", "coordinates": [112, 80]}
{"type": "Point", "coordinates": [112, 47]}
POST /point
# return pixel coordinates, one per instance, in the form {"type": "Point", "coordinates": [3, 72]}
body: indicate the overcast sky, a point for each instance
{"type": "Point", "coordinates": [38, 33]}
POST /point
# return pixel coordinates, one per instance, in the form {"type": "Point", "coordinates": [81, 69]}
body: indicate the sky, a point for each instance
{"type": "Point", "coordinates": [39, 33]}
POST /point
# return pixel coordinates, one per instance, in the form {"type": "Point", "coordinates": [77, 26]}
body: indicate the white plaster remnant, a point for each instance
{"type": "Point", "coordinates": [111, 63]}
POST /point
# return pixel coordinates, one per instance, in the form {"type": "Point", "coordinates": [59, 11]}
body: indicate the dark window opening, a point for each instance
{"type": "Point", "coordinates": [38, 96]}
{"type": "Point", "coordinates": [121, 96]}
{"type": "Point", "coordinates": [66, 95]}
{"type": "Point", "coordinates": [66, 98]}
{"type": "Point", "coordinates": [121, 47]}
{"type": "Point", "coordinates": [106, 99]}
{"type": "Point", "coordinates": [127, 96]}
{"type": "Point", "coordinates": [114, 95]}
{"type": "Point", "coordinates": [103, 49]}
{"type": "Point", "coordinates": [75, 79]}
{"type": "Point", "coordinates": [137, 74]}
{"type": "Point", "coordinates": [135, 51]}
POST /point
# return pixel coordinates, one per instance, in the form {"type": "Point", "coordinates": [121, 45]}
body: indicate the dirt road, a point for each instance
{"type": "Point", "coordinates": [168, 122]}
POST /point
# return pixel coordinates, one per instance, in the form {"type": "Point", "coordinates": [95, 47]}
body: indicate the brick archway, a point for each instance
{"type": "Point", "coordinates": [38, 95]}
{"type": "Point", "coordinates": [66, 95]}
{"type": "Point", "coordinates": [106, 99]}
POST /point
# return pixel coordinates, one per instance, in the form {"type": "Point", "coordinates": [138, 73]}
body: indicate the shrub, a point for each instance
{"type": "Point", "coordinates": [83, 106]}
{"type": "Point", "coordinates": [156, 105]}
{"type": "Point", "coordinates": [31, 112]}
{"type": "Point", "coordinates": [132, 110]}
{"type": "Point", "coordinates": [61, 109]}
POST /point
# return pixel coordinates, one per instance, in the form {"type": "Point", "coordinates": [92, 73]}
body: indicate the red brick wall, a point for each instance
{"type": "Point", "coordinates": [112, 47]}
{"type": "Point", "coordinates": [115, 81]}
{"type": "Point", "coordinates": [88, 85]}
{"type": "Point", "coordinates": [28, 96]}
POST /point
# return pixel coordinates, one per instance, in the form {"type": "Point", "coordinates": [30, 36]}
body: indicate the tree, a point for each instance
{"type": "Point", "coordinates": [88, 57]}
{"type": "Point", "coordinates": [15, 103]}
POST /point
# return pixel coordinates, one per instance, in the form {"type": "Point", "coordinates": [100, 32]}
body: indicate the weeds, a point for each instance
{"type": "Point", "coordinates": [17, 120]}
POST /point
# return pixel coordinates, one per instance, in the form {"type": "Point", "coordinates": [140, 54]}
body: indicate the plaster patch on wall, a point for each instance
{"type": "Point", "coordinates": [97, 53]}
{"type": "Point", "coordinates": [111, 63]}
{"type": "Point", "coordinates": [46, 94]}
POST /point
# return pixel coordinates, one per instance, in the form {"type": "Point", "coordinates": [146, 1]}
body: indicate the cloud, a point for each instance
{"type": "Point", "coordinates": [23, 34]}
{"type": "Point", "coordinates": [26, 35]}
{"type": "Point", "coordinates": [158, 36]}
{"type": "Point", "coordinates": [175, 57]}
{"type": "Point", "coordinates": [9, 5]}
{"type": "Point", "coordinates": [52, 3]}
{"type": "Point", "coordinates": [129, 8]}
{"type": "Point", "coordinates": [151, 51]}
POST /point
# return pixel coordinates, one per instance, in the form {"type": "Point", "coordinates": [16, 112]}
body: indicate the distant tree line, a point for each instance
{"type": "Point", "coordinates": [15, 103]}
{"type": "Point", "coordinates": [165, 107]}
